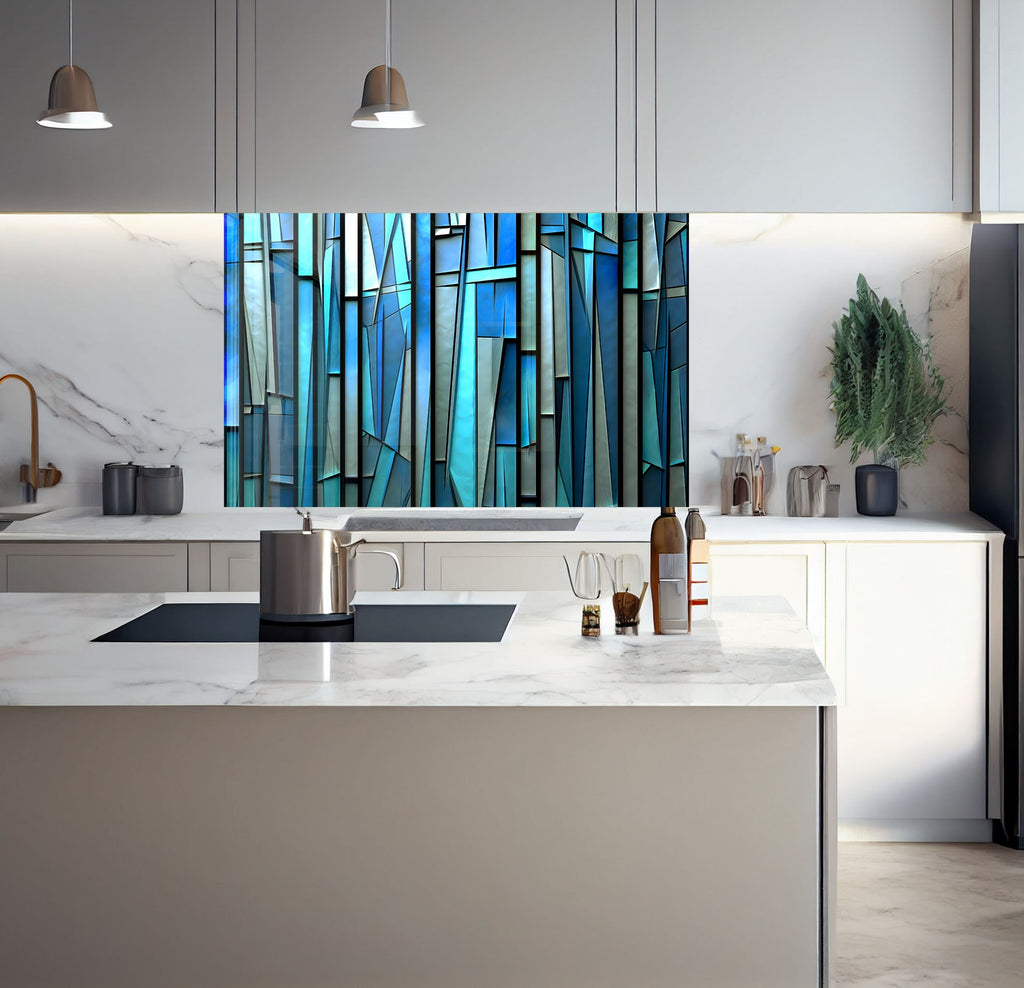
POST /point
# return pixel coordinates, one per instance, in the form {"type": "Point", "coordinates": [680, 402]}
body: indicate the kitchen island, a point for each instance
{"type": "Point", "coordinates": [544, 810]}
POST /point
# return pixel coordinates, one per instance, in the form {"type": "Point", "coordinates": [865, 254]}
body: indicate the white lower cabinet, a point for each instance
{"type": "Point", "coordinates": [512, 565]}
{"type": "Point", "coordinates": [794, 571]}
{"type": "Point", "coordinates": [912, 747]}
{"type": "Point", "coordinates": [94, 567]}
{"type": "Point", "coordinates": [234, 566]}
{"type": "Point", "coordinates": [903, 630]}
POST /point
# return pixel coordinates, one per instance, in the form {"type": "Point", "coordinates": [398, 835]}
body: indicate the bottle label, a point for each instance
{"type": "Point", "coordinates": [672, 592]}
{"type": "Point", "coordinates": [672, 567]}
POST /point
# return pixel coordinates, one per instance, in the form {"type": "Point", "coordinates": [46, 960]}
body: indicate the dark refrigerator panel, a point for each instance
{"type": "Point", "coordinates": [994, 421]}
{"type": "Point", "coordinates": [1007, 829]}
{"type": "Point", "coordinates": [997, 493]}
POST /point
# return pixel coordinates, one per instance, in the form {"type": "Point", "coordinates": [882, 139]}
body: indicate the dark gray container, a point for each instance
{"type": "Point", "coordinates": [159, 490]}
{"type": "Point", "coordinates": [119, 481]}
{"type": "Point", "coordinates": [878, 491]}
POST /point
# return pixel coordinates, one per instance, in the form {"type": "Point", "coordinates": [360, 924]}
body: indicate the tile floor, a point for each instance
{"type": "Point", "coordinates": [942, 915]}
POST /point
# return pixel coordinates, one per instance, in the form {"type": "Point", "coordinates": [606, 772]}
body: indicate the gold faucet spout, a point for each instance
{"type": "Point", "coordinates": [31, 477]}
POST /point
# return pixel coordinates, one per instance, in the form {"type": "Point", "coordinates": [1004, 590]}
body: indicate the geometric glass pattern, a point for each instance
{"type": "Point", "coordinates": [455, 359]}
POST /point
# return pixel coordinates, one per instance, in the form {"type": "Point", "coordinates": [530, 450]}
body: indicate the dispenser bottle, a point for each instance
{"type": "Point", "coordinates": [668, 574]}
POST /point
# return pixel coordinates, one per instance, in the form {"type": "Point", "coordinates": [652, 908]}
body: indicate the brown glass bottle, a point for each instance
{"type": "Point", "coordinates": [667, 540]}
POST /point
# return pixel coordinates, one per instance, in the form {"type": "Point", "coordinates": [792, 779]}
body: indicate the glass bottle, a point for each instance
{"type": "Point", "coordinates": [668, 574]}
{"type": "Point", "coordinates": [698, 559]}
{"type": "Point", "coordinates": [743, 477]}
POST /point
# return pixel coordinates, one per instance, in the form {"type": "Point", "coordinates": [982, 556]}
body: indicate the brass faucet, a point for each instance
{"type": "Point", "coordinates": [30, 476]}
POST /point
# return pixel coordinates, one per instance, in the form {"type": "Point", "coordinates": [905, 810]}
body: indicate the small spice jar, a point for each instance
{"type": "Point", "coordinates": [591, 627]}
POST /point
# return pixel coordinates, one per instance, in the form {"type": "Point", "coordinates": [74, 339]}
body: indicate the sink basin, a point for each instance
{"type": "Point", "coordinates": [240, 622]}
{"type": "Point", "coordinates": [17, 512]}
{"type": "Point", "coordinates": [462, 520]}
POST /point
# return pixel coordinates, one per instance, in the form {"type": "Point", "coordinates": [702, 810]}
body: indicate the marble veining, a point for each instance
{"type": "Point", "coordinates": [745, 656]}
{"type": "Point", "coordinates": [765, 292]}
{"type": "Point", "coordinates": [127, 357]}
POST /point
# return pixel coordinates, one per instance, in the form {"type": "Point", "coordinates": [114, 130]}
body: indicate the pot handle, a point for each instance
{"type": "Point", "coordinates": [394, 558]}
{"type": "Point", "coordinates": [342, 547]}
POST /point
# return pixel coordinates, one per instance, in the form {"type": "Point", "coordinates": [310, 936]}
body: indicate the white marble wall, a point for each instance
{"type": "Point", "coordinates": [117, 320]}
{"type": "Point", "coordinates": [764, 292]}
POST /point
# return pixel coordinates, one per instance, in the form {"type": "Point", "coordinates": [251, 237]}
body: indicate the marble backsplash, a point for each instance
{"type": "Point", "coordinates": [118, 321]}
{"type": "Point", "coordinates": [765, 292]}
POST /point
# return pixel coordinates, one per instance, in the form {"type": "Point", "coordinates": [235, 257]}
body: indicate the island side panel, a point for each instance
{"type": "Point", "coordinates": [441, 847]}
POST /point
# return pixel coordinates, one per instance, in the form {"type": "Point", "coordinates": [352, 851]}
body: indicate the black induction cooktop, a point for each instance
{"type": "Point", "coordinates": [240, 622]}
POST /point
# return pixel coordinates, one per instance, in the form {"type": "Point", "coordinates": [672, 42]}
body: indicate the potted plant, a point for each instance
{"type": "Point", "coordinates": [886, 393]}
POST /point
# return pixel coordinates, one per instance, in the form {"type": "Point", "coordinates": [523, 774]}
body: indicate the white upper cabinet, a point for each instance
{"type": "Point", "coordinates": [800, 105]}
{"type": "Point", "coordinates": [153, 69]}
{"type": "Point", "coordinates": [581, 105]}
{"type": "Point", "coordinates": [518, 99]}
{"type": "Point", "coordinates": [999, 105]}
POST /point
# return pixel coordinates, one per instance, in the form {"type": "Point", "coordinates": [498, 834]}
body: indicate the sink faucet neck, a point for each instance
{"type": "Point", "coordinates": [32, 480]}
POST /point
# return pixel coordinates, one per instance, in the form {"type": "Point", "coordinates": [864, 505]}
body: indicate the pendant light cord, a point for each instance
{"type": "Point", "coordinates": [387, 52]}
{"type": "Point", "coordinates": [71, 32]}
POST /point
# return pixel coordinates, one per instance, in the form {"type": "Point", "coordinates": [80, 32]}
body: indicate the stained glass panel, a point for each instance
{"type": "Point", "coordinates": [456, 359]}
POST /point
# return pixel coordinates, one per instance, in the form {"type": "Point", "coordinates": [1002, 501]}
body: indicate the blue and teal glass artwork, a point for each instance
{"type": "Point", "coordinates": [455, 359]}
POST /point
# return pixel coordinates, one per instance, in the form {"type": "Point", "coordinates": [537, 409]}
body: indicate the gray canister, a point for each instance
{"type": "Point", "coordinates": [160, 490]}
{"type": "Point", "coordinates": [119, 488]}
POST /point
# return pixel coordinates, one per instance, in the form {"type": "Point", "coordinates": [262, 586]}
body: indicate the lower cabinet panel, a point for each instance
{"type": "Point", "coordinates": [96, 567]}
{"type": "Point", "coordinates": [512, 565]}
{"type": "Point", "coordinates": [912, 734]}
{"type": "Point", "coordinates": [234, 566]}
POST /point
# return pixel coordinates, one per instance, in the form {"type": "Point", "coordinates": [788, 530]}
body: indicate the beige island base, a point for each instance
{"type": "Point", "coordinates": [310, 833]}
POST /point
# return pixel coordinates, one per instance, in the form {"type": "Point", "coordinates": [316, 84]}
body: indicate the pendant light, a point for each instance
{"type": "Point", "coordinates": [385, 102]}
{"type": "Point", "coordinates": [72, 104]}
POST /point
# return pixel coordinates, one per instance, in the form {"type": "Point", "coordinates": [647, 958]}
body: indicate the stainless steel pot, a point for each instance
{"type": "Point", "coordinates": [306, 573]}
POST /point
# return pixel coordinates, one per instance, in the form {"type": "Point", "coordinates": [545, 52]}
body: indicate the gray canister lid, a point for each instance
{"type": "Point", "coordinates": [164, 472]}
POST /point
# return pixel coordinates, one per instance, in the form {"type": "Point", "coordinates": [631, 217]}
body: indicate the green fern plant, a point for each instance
{"type": "Point", "coordinates": [886, 391]}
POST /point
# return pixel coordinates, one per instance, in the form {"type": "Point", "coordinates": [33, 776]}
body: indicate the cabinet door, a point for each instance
{"type": "Point", "coordinates": [99, 567]}
{"type": "Point", "coordinates": [1000, 105]}
{"type": "Point", "coordinates": [234, 566]}
{"type": "Point", "coordinates": [153, 69]}
{"type": "Point", "coordinates": [512, 565]}
{"type": "Point", "coordinates": [911, 743]}
{"type": "Point", "coordinates": [518, 101]}
{"type": "Point", "coordinates": [794, 571]}
{"type": "Point", "coordinates": [800, 105]}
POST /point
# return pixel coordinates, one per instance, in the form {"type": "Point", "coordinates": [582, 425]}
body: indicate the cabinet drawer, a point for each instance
{"type": "Point", "coordinates": [96, 568]}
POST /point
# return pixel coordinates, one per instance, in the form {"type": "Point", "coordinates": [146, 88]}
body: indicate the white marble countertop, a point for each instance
{"type": "Point", "coordinates": [753, 652]}
{"type": "Point", "coordinates": [595, 525]}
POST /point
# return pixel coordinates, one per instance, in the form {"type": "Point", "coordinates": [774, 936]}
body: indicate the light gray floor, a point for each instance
{"type": "Point", "coordinates": [941, 915]}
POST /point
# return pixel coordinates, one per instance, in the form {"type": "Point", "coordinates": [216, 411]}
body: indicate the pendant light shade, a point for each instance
{"type": "Point", "coordinates": [385, 102]}
{"type": "Point", "coordinates": [72, 103]}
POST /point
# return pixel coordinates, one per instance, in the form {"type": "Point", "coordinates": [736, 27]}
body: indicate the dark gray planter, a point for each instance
{"type": "Point", "coordinates": [878, 489]}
